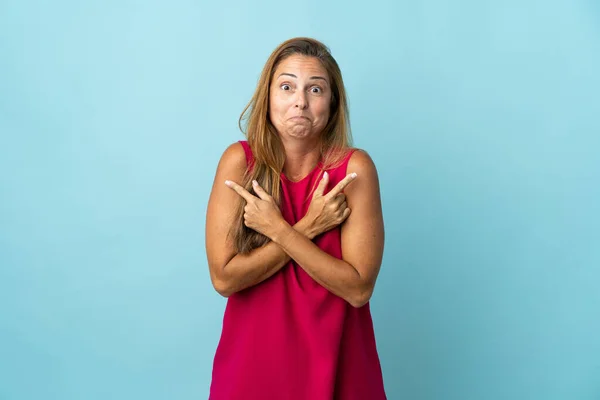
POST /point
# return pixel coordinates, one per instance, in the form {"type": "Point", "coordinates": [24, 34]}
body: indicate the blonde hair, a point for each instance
{"type": "Point", "coordinates": [266, 145]}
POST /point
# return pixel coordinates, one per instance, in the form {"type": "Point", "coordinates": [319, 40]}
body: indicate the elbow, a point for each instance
{"type": "Point", "coordinates": [223, 282]}
{"type": "Point", "coordinates": [221, 286]}
{"type": "Point", "coordinates": [358, 302]}
{"type": "Point", "coordinates": [222, 289]}
{"type": "Point", "coordinates": [361, 297]}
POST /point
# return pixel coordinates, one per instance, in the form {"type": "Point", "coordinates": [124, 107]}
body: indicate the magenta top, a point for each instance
{"type": "Point", "coordinates": [289, 338]}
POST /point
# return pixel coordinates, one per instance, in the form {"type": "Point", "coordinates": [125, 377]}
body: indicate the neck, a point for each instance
{"type": "Point", "coordinates": [301, 156]}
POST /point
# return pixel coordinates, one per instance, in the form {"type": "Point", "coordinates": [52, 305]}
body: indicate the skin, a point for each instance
{"type": "Point", "coordinates": [299, 101]}
{"type": "Point", "coordinates": [299, 110]}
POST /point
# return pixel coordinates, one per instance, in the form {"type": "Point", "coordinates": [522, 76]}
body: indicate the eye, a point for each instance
{"type": "Point", "coordinates": [316, 89]}
{"type": "Point", "coordinates": [285, 86]}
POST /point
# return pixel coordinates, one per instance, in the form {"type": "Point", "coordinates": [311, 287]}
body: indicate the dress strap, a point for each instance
{"type": "Point", "coordinates": [249, 155]}
{"type": "Point", "coordinates": [344, 164]}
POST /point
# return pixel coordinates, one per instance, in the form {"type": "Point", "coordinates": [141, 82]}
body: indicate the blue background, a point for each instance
{"type": "Point", "coordinates": [482, 118]}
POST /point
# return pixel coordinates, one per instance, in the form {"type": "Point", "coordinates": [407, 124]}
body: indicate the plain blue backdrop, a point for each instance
{"type": "Point", "coordinates": [482, 118]}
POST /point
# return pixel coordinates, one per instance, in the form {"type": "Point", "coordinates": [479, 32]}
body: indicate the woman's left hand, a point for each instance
{"type": "Point", "coordinates": [260, 213]}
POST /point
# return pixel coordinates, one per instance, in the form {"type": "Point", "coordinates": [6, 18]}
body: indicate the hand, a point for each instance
{"type": "Point", "coordinates": [327, 211]}
{"type": "Point", "coordinates": [260, 213]}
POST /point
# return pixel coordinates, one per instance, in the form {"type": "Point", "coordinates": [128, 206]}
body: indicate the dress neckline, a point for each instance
{"type": "Point", "coordinates": [316, 167]}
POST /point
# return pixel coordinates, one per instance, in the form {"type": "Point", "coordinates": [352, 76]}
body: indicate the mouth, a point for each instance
{"type": "Point", "coordinates": [300, 118]}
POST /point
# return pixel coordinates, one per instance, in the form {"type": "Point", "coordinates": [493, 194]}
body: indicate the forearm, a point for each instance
{"type": "Point", "coordinates": [246, 270]}
{"type": "Point", "coordinates": [336, 275]}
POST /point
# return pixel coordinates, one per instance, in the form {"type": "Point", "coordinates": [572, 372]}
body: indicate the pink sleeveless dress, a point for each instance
{"type": "Point", "coordinates": [289, 338]}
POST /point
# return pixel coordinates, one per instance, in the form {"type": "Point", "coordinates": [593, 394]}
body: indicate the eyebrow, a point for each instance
{"type": "Point", "coordinates": [294, 76]}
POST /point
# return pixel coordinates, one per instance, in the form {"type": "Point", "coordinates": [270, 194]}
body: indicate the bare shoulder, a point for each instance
{"type": "Point", "coordinates": [233, 157]}
{"type": "Point", "coordinates": [361, 162]}
{"type": "Point", "coordinates": [232, 166]}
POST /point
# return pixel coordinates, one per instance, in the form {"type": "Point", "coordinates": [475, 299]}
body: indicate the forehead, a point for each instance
{"type": "Point", "coordinates": [300, 65]}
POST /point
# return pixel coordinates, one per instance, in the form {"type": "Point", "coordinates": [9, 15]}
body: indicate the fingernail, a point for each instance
{"type": "Point", "coordinates": [325, 175]}
{"type": "Point", "coordinates": [255, 183]}
{"type": "Point", "coordinates": [228, 183]}
{"type": "Point", "coordinates": [354, 175]}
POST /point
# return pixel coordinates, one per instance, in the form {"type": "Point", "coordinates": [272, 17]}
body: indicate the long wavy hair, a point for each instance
{"type": "Point", "coordinates": [264, 140]}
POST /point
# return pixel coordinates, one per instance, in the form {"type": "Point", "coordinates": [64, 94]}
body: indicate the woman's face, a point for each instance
{"type": "Point", "coordinates": [300, 97]}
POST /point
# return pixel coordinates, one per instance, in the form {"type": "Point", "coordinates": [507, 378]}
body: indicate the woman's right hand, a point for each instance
{"type": "Point", "coordinates": [326, 211]}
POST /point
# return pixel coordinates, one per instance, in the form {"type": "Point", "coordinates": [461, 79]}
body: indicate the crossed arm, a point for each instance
{"type": "Point", "coordinates": [352, 277]}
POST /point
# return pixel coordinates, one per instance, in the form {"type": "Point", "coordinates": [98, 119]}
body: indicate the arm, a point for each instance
{"type": "Point", "coordinates": [353, 277]}
{"type": "Point", "coordinates": [231, 272]}
{"type": "Point", "coordinates": [246, 270]}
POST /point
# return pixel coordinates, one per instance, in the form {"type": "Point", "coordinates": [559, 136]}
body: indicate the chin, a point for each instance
{"type": "Point", "coordinates": [300, 135]}
{"type": "Point", "coordinates": [298, 132]}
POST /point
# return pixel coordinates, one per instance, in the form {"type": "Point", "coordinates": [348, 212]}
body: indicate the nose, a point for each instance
{"type": "Point", "coordinates": [301, 101]}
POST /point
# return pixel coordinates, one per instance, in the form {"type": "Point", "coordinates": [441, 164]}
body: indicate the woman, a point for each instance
{"type": "Point", "coordinates": [298, 267]}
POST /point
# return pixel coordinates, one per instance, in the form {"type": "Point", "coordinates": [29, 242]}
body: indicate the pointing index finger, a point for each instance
{"type": "Point", "coordinates": [240, 190]}
{"type": "Point", "coordinates": [341, 185]}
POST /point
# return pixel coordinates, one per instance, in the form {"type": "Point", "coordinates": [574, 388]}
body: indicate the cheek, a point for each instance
{"type": "Point", "coordinates": [276, 105]}
{"type": "Point", "coordinates": [273, 109]}
{"type": "Point", "coordinates": [322, 109]}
